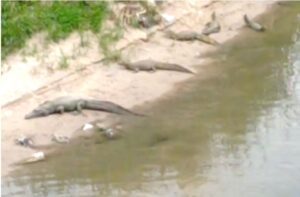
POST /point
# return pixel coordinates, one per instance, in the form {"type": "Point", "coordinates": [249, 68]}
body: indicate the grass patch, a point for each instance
{"type": "Point", "coordinates": [21, 19]}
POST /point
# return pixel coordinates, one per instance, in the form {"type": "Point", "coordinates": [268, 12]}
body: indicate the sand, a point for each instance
{"type": "Point", "coordinates": [32, 78]}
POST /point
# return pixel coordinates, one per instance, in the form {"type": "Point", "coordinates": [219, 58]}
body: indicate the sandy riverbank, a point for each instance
{"type": "Point", "coordinates": [108, 82]}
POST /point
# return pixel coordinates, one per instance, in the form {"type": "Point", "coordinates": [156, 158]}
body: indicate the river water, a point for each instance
{"type": "Point", "coordinates": [233, 133]}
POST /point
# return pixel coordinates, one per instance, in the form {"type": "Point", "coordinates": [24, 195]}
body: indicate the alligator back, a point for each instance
{"type": "Point", "coordinates": [182, 36]}
{"type": "Point", "coordinates": [152, 65]}
{"type": "Point", "coordinates": [146, 65]}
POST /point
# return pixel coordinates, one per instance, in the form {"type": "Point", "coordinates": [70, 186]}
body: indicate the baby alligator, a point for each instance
{"type": "Point", "coordinates": [151, 65]}
{"type": "Point", "coordinates": [68, 104]}
{"type": "Point", "coordinates": [212, 26]}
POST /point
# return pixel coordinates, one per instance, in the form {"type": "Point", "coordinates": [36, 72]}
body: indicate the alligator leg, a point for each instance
{"type": "Point", "coordinates": [153, 69]}
{"type": "Point", "coordinates": [60, 109]}
{"type": "Point", "coordinates": [79, 107]}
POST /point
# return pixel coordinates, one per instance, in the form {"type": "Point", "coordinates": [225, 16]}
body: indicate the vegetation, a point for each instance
{"type": "Point", "coordinates": [21, 19]}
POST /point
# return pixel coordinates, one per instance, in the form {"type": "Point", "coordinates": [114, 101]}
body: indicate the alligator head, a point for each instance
{"type": "Point", "coordinates": [36, 113]}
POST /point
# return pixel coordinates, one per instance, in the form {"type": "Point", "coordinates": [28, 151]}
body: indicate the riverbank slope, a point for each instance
{"type": "Point", "coordinates": [112, 82]}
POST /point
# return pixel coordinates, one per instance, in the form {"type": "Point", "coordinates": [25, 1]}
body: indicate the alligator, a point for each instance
{"type": "Point", "coordinates": [190, 36]}
{"type": "Point", "coordinates": [68, 104]}
{"type": "Point", "coordinates": [212, 26]}
{"type": "Point", "coordinates": [253, 25]}
{"type": "Point", "coordinates": [152, 65]}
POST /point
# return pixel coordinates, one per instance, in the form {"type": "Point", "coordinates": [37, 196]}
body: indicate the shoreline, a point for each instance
{"type": "Point", "coordinates": [123, 87]}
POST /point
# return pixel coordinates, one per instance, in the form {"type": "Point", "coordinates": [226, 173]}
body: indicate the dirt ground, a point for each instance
{"type": "Point", "coordinates": [31, 79]}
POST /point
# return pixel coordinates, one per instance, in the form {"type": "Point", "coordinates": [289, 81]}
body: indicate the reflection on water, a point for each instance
{"type": "Point", "coordinates": [235, 133]}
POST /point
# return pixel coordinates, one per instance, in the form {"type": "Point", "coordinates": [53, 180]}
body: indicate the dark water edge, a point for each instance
{"type": "Point", "coordinates": [234, 133]}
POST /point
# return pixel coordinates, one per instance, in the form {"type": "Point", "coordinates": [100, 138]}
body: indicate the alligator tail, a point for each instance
{"type": "Point", "coordinates": [109, 107]}
{"type": "Point", "coordinates": [206, 39]}
{"type": "Point", "coordinates": [174, 67]}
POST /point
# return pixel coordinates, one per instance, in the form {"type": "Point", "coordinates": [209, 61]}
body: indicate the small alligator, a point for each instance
{"type": "Point", "coordinates": [151, 65]}
{"type": "Point", "coordinates": [67, 104]}
{"type": "Point", "coordinates": [190, 36]}
{"type": "Point", "coordinates": [212, 26]}
{"type": "Point", "coordinates": [253, 25]}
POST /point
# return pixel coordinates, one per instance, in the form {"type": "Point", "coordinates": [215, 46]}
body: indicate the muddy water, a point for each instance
{"type": "Point", "coordinates": [234, 133]}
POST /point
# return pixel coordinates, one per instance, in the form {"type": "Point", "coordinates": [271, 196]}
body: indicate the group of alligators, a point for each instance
{"type": "Point", "coordinates": [210, 28]}
{"type": "Point", "coordinates": [69, 104]}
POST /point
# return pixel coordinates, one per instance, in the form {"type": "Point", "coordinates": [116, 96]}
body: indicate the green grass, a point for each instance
{"type": "Point", "coordinates": [20, 20]}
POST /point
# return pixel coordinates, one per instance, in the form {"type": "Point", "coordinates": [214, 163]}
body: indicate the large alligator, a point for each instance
{"type": "Point", "coordinates": [212, 26]}
{"type": "Point", "coordinates": [68, 104]}
{"type": "Point", "coordinates": [151, 65]}
{"type": "Point", "coordinates": [190, 36]}
{"type": "Point", "coordinates": [253, 25]}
